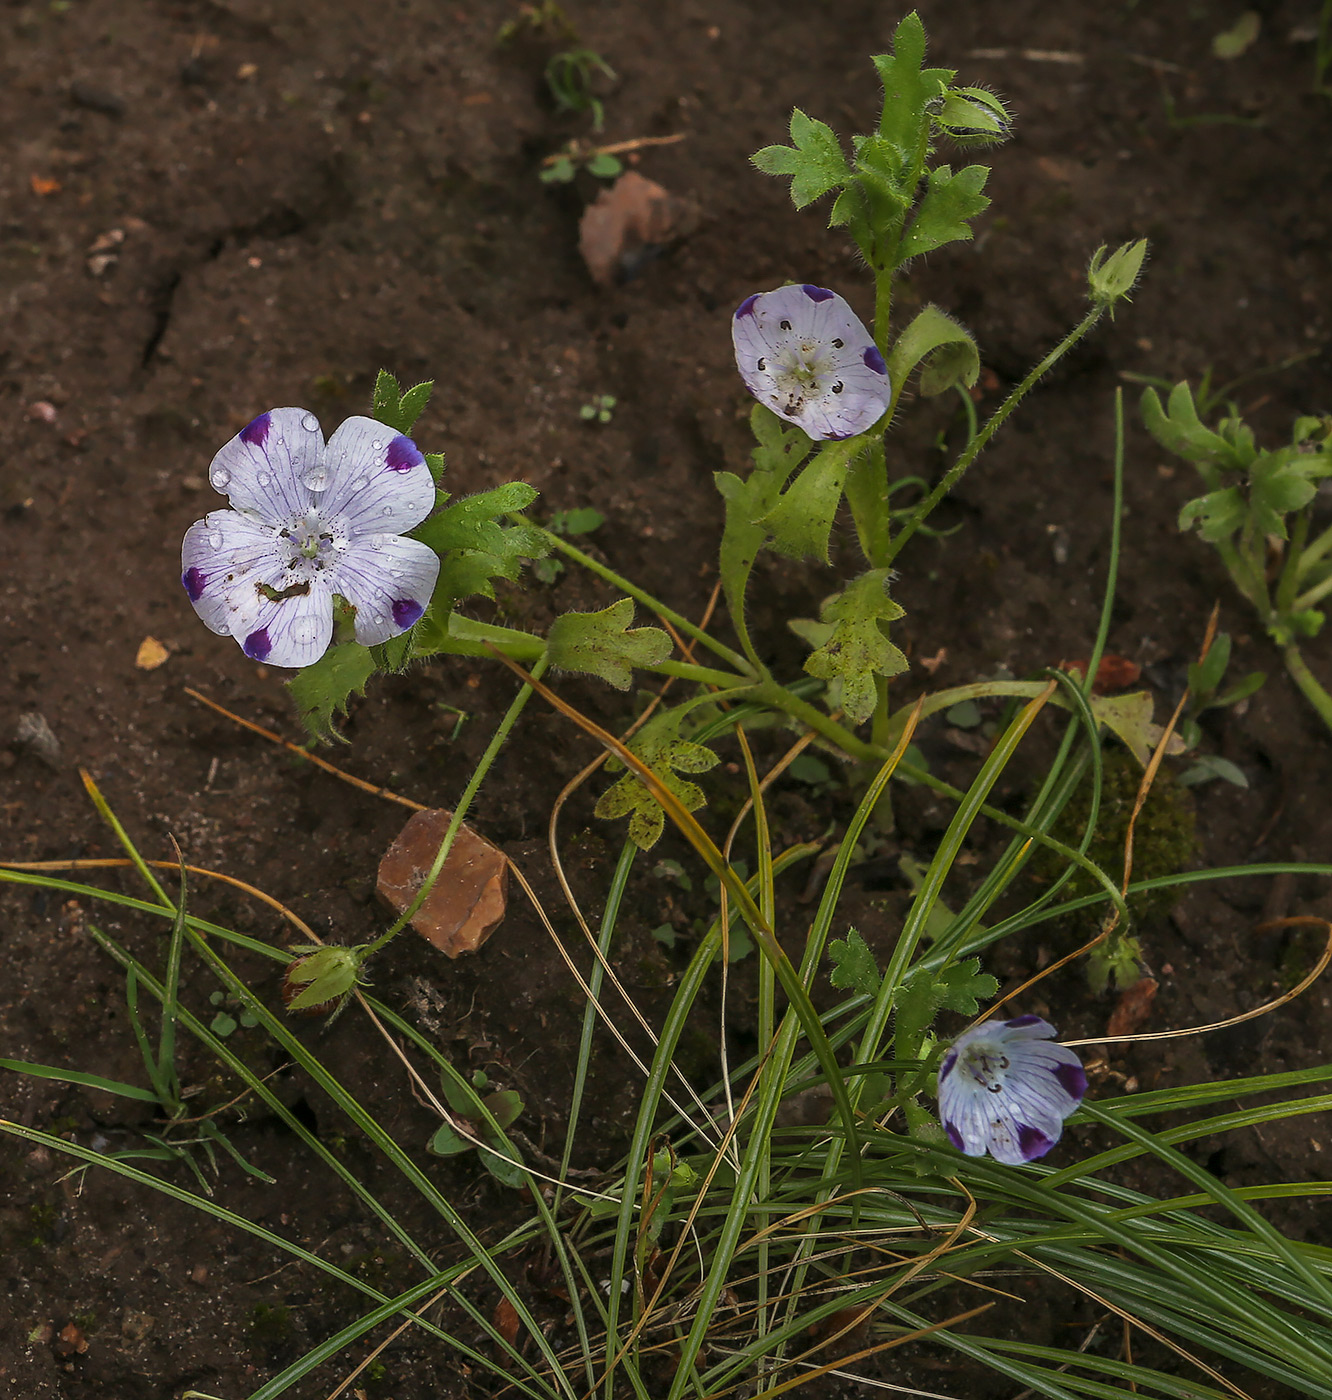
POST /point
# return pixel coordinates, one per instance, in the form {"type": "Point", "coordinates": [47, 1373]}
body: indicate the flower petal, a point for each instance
{"type": "Point", "coordinates": [293, 631]}
{"type": "Point", "coordinates": [1004, 1088]}
{"type": "Point", "coordinates": [806, 355]}
{"type": "Point", "coordinates": [265, 468]}
{"type": "Point", "coordinates": [378, 480]}
{"type": "Point", "coordinates": [389, 579]}
{"type": "Point", "coordinates": [224, 557]}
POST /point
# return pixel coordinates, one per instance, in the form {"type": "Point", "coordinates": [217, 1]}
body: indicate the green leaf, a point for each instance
{"type": "Point", "coordinates": [1179, 429]}
{"type": "Point", "coordinates": [908, 87]}
{"type": "Point", "coordinates": [801, 521]}
{"type": "Point", "coordinates": [393, 655]}
{"type": "Point", "coordinates": [324, 689]}
{"type": "Point", "coordinates": [858, 648]}
{"type": "Point", "coordinates": [604, 644]}
{"type": "Point", "coordinates": [963, 986]}
{"type": "Point", "coordinates": [1206, 675]}
{"type": "Point", "coordinates": [603, 166]}
{"type": "Point", "coordinates": [582, 520]}
{"type": "Point", "coordinates": [1217, 515]}
{"type": "Point", "coordinates": [815, 162]}
{"type": "Point", "coordinates": [1232, 42]}
{"type": "Point", "coordinates": [447, 1143]}
{"type": "Point", "coordinates": [946, 352]}
{"type": "Point", "coordinates": [780, 450]}
{"type": "Point", "coordinates": [1241, 690]}
{"type": "Point", "coordinates": [942, 216]}
{"type": "Point", "coordinates": [474, 550]}
{"type": "Point", "coordinates": [1210, 766]}
{"type": "Point", "coordinates": [396, 409]}
{"type": "Point", "coordinates": [854, 968]}
{"type": "Point", "coordinates": [387, 397]}
{"type": "Point", "coordinates": [1275, 489]}
{"type": "Point", "coordinates": [661, 749]}
{"type": "Point", "coordinates": [507, 1166]}
{"type": "Point", "coordinates": [504, 1106]}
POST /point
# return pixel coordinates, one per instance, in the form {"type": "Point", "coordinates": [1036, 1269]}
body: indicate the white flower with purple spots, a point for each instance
{"type": "Point", "coordinates": [806, 355]}
{"type": "Point", "coordinates": [311, 520]}
{"type": "Point", "coordinates": [1005, 1090]}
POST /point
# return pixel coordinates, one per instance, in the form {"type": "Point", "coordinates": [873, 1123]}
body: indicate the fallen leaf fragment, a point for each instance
{"type": "Point", "coordinates": [43, 185]}
{"type": "Point", "coordinates": [506, 1320]}
{"type": "Point", "coordinates": [467, 902]}
{"type": "Point", "coordinates": [1113, 673]}
{"type": "Point", "coordinates": [1135, 1006]}
{"type": "Point", "coordinates": [630, 223]}
{"type": "Point", "coordinates": [71, 1341]}
{"type": "Point", "coordinates": [151, 654]}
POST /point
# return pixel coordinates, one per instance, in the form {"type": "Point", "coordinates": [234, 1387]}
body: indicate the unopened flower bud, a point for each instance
{"type": "Point", "coordinates": [972, 116]}
{"type": "Point", "coordinates": [321, 980]}
{"type": "Point", "coordinates": [1110, 279]}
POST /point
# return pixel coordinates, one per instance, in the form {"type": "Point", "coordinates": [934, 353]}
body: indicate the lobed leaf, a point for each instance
{"type": "Point", "coordinates": [815, 162]}
{"type": "Point", "coordinates": [604, 644]}
{"type": "Point", "coordinates": [949, 202]}
{"type": "Point", "coordinates": [325, 689]}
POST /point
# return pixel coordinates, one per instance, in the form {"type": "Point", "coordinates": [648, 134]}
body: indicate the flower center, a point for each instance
{"type": "Point", "coordinates": [986, 1066]}
{"type": "Point", "coordinates": [311, 543]}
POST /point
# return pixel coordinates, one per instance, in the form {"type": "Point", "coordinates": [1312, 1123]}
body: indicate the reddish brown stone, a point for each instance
{"type": "Point", "coordinates": [468, 900]}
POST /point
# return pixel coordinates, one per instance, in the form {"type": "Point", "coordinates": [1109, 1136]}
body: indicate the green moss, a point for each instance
{"type": "Point", "coordinates": [1165, 837]}
{"type": "Point", "coordinates": [269, 1326]}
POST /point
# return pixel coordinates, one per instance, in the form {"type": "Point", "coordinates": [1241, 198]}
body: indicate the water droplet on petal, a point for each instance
{"type": "Point", "coordinates": [360, 483]}
{"type": "Point", "coordinates": [395, 573]}
{"type": "Point", "coordinates": [310, 423]}
{"type": "Point", "coordinates": [304, 630]}
{"type": "Point", "coordinates": [376, 444]}
{"type": "Point", "coordinates": [263, 478]}
{"type": "Point", "coordinates": [387, 510]}
{"type": "Point", "coordinates": [315, 478]}
{"type": "Point", "coordinates": [215, 540]}
{"type": "Point", "coordinates": [221, 478]}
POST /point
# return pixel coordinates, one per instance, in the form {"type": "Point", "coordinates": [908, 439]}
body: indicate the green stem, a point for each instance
{"type": "Point", "coordinates": [1308, 683]}
{"type": "Point", "coordinates": [459, 812]}
{"type": "Point", "coordinates": [704, 675]}
{"type": "Point", "coordinates": [690, 629]}
{"type": "Point", "coordinates": [1314, 595]}
{"type": "Point", "coordinates": [973, 449]}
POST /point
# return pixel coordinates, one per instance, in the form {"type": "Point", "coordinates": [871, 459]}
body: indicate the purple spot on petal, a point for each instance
{"type": "Point", "coordinates": [946, 1065]}
{"type": "Point", "coordinates": [258, 645]}
{"type": "Point", "coordinates": [406, 611]}
{"type": "Point", "coordinates": [874, 360]}
{"type": "Point", "coordinates": [1021, 1021]}
{"type": "Point", "coordinates": [746, 307]}
{"type": "Point", "coordinates": [817, 293]}
{"type": "Point", "coordinates": [403, 455]}
{"type": "Point", "coordinates": [1073, 1078]}
{"type": "Point", "coordinates": [194, 581]}
{"type": "Point", "coordinates": [954, 1136]}
{"type": "Point", "coordinates": [256, 431]}
{"type": "Point", "coordinates": [1032, 1142]}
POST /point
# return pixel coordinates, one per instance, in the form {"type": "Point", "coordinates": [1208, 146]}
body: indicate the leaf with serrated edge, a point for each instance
{"type": "Point", "coordinates": [603, 644]}
{"type": "Point", "coordinates": [854, 968]}
{"type": "Point", "coordinates": [325, 688]}
{"type": "Point", "coordinates": [949, 202]}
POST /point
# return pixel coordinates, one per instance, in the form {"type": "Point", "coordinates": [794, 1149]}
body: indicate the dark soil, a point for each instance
{"type": "Point", "coordinates": [307, 193]}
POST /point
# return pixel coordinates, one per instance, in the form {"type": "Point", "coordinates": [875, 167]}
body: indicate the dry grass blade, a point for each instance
{"type": "Point", "coordinates": [318, 762]}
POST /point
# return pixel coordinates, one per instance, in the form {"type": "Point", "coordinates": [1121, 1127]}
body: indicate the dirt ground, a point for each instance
{"type": "Point", "coordinates": [213, 207]}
